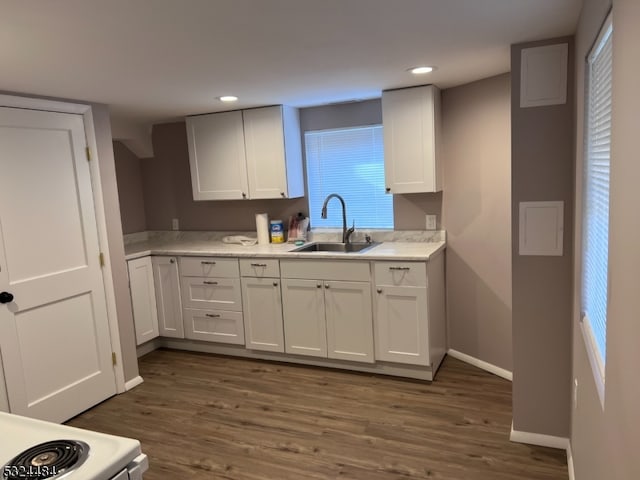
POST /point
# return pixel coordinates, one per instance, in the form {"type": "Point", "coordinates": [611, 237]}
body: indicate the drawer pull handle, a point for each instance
{"type": "Point", "coordinates": [258, 264]}
{"type": "Point", "coordinates": [208, 263]}
{"type": "Point", "coordinates": [404, 269]}
{"type": "Point", "coordinates": [210, 283]}
{"type": "Point", "coordinates": [213, 315]}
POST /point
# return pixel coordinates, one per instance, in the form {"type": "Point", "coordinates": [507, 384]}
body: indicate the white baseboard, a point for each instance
{"type": "Point", "coordinates": [134, 382]}
{"type": "Point", "coordinates": [501, 372]}
{"type": "Point", "coordinates": [540, 439]}
{"type": "Point", "coordinates": [572, 472]}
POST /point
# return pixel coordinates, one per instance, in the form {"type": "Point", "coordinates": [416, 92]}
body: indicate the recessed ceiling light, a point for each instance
{"type": "Point", "coordinates": [421, 70]}
{"type": "Point", "coordinates": [228, 98]}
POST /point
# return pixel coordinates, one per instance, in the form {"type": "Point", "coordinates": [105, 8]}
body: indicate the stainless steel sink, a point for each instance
{"type": "Point", "coordinates": [336, 247]}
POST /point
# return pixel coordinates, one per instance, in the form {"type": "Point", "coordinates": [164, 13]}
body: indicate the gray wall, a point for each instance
{"type": "Point", "coordinates": [477, 207]}
{"type": "Point", "coordinates": [129, 177]}
{"type": "Point", "coordinates": [167, 182]}
{"type": "Point", "coordinates": [605, 440]}
{"type": "Point", "coordinates": [542, 168]}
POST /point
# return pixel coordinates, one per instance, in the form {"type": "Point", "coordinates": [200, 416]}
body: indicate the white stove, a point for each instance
{"type": "Point", "coordinates": [36, 450]}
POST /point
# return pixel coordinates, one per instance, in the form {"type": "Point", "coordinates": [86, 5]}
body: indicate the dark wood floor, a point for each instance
{"type": "Point", "coordinates": [202, 416]}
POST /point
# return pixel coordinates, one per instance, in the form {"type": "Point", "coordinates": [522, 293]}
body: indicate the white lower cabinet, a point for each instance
{"type": "Point", "coordinates": [167, 288]}
{"type": "Point", "coordinates": [401, 325]}
{"type": "Point", "coordinates": [324, 316]}
{"type": "Point", "coordinates": [349, 326]}
{"type": "Point", "coordinates": [305, 327]}
{"type": "Point", "coordinates": [143, 299]}
{"type": "Point", "coordinates": [211, 299]}
{"type": "Point", "coordinates": [262, 309]}
{"type": "Point", "coordinates": [314, 308]}
{"type": "Point", "coordinates": [410, 312]}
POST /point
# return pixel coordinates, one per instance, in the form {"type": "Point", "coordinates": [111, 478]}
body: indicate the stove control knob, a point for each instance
{"type": "Point", "coordinates": [6, 297]}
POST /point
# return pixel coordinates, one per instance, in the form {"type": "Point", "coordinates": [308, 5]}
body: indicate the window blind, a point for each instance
{"type": "Point", "coordinates": [349, 162]}
{"type": "Point", "coordinates": [595, 220]}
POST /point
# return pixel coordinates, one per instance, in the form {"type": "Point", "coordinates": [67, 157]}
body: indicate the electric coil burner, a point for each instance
{"type": "Point", "coordinates": [47, 460]}
{"type": "Point", "coordinates": [32, 449]}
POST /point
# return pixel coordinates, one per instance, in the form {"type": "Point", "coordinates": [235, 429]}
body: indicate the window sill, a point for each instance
{"type": "Point", "coordinates": [596, 365]}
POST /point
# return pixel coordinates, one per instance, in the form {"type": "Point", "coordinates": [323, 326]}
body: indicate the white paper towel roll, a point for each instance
{"type": "Point", "coordinates": [262, 227]}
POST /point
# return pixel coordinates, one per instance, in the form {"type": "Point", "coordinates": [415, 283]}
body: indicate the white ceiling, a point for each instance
{"type": "Point", "coordinates": [158, 60]}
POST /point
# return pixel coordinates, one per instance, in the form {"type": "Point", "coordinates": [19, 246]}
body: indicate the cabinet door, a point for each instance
{"type": "Point", "coordinates": [402, 322]}
{"type": "Point", "coordinates": [167, 286]}
{"type": "Point", "coordinates": [349, 321]}
{"type": "Point", "coordinates": [217, 156]}
{"type": "Point", "coordinates": [305, 331]}
{"type": "Point", "coordinates": [143, 299]}
{"type": "Point", "coordinates": [411, 129]}
{"type": "Point", "coordinates": [262, 307]}
{"type": "Point", "coordinates": [214, 326]}
{"type": "Point", "coordinates": [264, 143]}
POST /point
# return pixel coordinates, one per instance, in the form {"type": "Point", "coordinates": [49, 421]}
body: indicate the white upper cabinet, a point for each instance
{"type": "Point", "coordinates": [217, 156]}
{"type": "Point", "coordinates": [412, 126]}
{"type": "Point", "coordinates": [249, 154]}
{"type": "Point", "coordinates": [274, 152]}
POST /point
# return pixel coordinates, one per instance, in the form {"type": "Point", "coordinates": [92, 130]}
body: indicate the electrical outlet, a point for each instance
{"type": "Point", "coordinates": [431, 222]}
{"type": "Point", "coordinates": [175, 225]}
{"type": "Point", "coordinates": [575, 393]}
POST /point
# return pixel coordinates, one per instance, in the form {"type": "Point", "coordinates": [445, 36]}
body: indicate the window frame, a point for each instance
{"type": "Point", "coordinates": [341, 129]}
{"type": "Point", "coordinates": [596, 359]}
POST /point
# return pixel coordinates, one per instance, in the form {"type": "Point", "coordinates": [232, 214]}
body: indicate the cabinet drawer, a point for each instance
{"type": "Point", "coordinates": [214, 326]}
{"type": "Point", "coordinates": [209, 267]}
{"type": "Point", "coordinates": [259, 267]}
{"type": "Point", "coordinates": [347, 270]}
{"type": "Point", "coordinates": [211, 292]}
{"type": "Point", "coordinates": [409, 274]}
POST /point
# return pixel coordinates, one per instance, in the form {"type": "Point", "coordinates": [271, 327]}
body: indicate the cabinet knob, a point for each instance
{"type": "Point", "coordinates": [388, 189]}
{"type": "Point", "coordinates": [244, 195]}
{"type": "Point", "coordinates": [318, 285]}
{"type": "Point", "coordinates": [282, 194]}
{"type": "Point", "coordinates": [275, 284]}
{"type": "Point", "coordinates": [172, 260]}
{"type": "Point", "coordinates": [379, 290]}
{"type": "Point", "coordinates": [326, 285]}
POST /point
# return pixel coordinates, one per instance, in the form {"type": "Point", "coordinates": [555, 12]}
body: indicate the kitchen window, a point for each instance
{"type": "Point", "coordinates": [595, 202]}
{"type": "Point", "coordinates": [349, 162]}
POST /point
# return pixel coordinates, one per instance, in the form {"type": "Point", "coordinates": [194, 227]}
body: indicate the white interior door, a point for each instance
{"type": "Point", "coordinates": [54, 334]}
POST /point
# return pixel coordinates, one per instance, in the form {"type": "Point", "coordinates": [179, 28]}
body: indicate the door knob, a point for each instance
{"type": "Point", "coordinates": [6, 297]}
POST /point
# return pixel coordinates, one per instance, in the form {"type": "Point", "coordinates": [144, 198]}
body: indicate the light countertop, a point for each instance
{"type": "Point", "coordinates": [410, 251]}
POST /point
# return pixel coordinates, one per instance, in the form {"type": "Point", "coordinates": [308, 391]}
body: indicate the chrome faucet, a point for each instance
{"type": "Point", "coordinates": [346, 234]}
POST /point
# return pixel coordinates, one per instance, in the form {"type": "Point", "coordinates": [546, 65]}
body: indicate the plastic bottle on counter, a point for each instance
{"type": "Point", "coordinates": [277, 231]}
